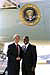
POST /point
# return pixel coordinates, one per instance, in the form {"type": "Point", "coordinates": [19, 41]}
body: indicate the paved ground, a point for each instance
{"type": "Point", "coordinates": [42, 69]}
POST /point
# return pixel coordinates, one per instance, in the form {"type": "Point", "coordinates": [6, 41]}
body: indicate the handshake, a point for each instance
{"type": "Point", "coordinates": [18, 58]}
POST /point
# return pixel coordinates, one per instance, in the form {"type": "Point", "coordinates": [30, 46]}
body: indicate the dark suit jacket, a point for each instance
{"type": "Point", "coordinates": [30, 57]}
{"type": "Point", "coordinates": [13, 65]}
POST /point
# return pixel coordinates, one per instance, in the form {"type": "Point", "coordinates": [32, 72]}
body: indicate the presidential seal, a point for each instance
{"type": "Point", "coordinates": [29, 14]}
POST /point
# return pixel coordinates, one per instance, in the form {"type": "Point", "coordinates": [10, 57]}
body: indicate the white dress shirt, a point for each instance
{"type": "Point", "coordinates": [27, 45]}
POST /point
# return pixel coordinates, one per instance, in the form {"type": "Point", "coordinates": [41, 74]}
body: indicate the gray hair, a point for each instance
{"type": "Point", "coordinates": [16, 35]}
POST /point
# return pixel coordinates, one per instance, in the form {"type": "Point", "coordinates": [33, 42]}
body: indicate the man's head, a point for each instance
{"type": "Point", "coordinates": [16, 37]}
{"type": "Point", "coordinates": [26, 40]}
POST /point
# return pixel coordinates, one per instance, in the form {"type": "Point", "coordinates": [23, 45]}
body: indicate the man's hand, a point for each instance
{"type": "Point", "coordinates": [18, 58]}
{"type": "Point", "coordinates": [33, 68]}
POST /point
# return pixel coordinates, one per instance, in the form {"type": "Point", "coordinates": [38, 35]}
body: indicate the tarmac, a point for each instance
{"type": "Point", "coordinates": [41, 69]}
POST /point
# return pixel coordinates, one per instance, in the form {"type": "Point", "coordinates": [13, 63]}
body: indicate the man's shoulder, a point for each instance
{"type": "Point", "coordinates": [32, 45]}
{"type": "Point", "coordinates": [10, 45]}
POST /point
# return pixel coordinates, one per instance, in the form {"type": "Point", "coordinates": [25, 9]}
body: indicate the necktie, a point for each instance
{"type": "Point", "coordinates": [25, 49]}
{"type": "Point", "coordinates": [18, 50]}
{"type": "Point", "coordinates": [16, 47]}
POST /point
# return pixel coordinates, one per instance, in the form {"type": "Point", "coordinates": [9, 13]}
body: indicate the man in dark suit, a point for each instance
{"type": "Point", "coordinates": [14, 55]}
{"type": "Point", "coordinates": [29, 57]}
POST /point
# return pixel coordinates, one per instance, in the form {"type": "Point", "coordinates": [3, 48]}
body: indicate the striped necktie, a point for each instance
{"type": "Point", "coordinates": [25, 49]}
{"type": "Point", "coordinates": [18, 49]}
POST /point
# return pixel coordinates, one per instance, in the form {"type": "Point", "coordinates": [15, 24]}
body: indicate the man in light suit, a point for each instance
{"type": "Point", "coordinates": [29, 57]}
{"type": "Point", "coordinates": [14, 55]}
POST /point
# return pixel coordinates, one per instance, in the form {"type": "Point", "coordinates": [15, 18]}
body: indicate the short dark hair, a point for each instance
{"type": "Point", "coordinates": [26, 37]}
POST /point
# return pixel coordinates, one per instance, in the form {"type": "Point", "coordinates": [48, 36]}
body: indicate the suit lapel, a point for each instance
{"type": "Point", "coordinates": [15, 49]}
{"type": "Point", "coordinates": [28, 47]}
